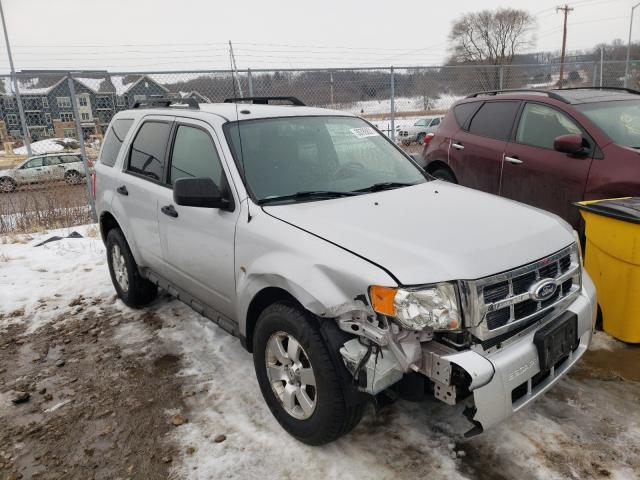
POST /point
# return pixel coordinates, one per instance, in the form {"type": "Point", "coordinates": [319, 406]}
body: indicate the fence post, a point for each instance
{"type": "Point", "coordinates": [76, 116]}
{"type": "Point", "coordinates": [602, 65]}
{"type": "Point", "coordinates": [392, 134]}
{"type": "Point", "coordinates": [23, 118]}
{"type": "Point", "coordinates": [250, 81]}
{"type": "Point", "coordinates": [501, 77]}
{"type": "Point", "coordinates": [593, 74]}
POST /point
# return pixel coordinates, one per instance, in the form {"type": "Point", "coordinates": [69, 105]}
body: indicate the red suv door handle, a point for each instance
{"type": "Point", "coordinates": [514, 160]}
{"type": "Point", "coordinates": [457, 146]}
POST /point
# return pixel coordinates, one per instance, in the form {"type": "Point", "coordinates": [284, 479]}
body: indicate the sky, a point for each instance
{"type": "Point", "coordinates": [161, 35]}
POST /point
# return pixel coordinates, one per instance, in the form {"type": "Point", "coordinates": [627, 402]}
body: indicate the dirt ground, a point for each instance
{"type": "Point", "coordinates": [93, 410]}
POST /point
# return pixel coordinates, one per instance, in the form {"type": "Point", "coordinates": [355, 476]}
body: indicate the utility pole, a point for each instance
{"type": "Point", "coordinates": [626, 65]}
{"type": "Point", "coordinates": [16, 88]}
{"type": "Point", "coordinates": [234, 68]}
{"type": "Point", "coordinates": [566, 11]}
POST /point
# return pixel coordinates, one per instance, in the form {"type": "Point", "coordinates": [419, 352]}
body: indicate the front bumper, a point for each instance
{"type": "Point", "coordinates": [515, 367]}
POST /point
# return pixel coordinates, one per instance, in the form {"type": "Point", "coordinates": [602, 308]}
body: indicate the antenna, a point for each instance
{"type": "Point", "coordinates": [234, 68]}
{"type": "Point", "coordinates": [234, 72]}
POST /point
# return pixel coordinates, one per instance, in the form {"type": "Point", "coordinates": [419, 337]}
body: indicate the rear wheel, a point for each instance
{"type": "Point", "coordinates": [72, 177]}
{"type": "Point", "coordinates": [445, 174]}
{"type": "Point", "coordinates": [131, 288]}
{"type": "Point", "coordinates": [7, 185]}
{"type": "Point", "coordinates": [298, 378]}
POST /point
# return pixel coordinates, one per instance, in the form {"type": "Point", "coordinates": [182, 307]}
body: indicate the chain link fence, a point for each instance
{"type": "Point", "coordinates": [42, 112]}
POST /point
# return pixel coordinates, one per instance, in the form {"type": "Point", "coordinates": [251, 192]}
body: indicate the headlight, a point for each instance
{"type": "Point", "coordinates": [434, 307]}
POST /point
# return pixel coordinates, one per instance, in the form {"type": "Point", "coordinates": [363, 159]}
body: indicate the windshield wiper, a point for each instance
{"type": "Point", "coordinates": [376, 187]}
{"type": "Point", "coordinates": [309, 194]}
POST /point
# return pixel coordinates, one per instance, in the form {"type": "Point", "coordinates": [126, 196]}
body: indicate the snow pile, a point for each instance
{"type": "Point", "coordinates": [49, 145]}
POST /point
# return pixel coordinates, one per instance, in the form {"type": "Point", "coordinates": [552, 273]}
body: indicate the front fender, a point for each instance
{"type": "Point", "coordinates": [326, 279]}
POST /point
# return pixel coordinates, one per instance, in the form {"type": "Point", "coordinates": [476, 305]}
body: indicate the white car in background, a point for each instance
{"type": "Point", "coordinates": [43, 168]}
{"type": "Point", "coordinates": [417, 131]}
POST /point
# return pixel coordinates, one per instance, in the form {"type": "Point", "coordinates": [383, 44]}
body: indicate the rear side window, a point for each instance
{"type": "Point", "coordinates": [464, 112]}
{"type": "Point", "coordinates": [49, 161]}
{"type": "Point", "coordinates": [148, 150]}
{"type": "Point", "coordinates": [494, 119]}
{"type": "Point", "coordinates": [70, 159]}
{"type": "Point", "coordinates": [194, 155]}
{"type": "Point", "coordinates": [113, 141]}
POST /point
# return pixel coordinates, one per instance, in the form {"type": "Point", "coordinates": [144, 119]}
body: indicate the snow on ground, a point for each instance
{"type": "Point", "coordinates": [402, 104]}
{"type": "Point", "coordinates": [49, 145]}
{"type": "Point", "coordinates": [588, 426]}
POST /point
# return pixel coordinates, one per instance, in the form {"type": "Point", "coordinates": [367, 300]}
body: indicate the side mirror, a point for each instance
{"type": "Point", "coordinates": [571, 144]}
{"type": "Point", "coordinates": [198, 192]}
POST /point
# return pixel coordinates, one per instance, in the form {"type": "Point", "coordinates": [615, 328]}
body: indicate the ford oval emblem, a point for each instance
{"type": "Point", "coordinates": [544, 289]}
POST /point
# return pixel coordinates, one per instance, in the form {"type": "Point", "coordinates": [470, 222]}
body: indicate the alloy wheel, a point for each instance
{"type": "Point", "coordinates": [291, 375]}
{"type": "Point", "coordinates": [119, 268]}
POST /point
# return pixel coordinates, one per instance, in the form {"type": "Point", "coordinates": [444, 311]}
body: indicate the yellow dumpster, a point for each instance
{"type": "Point", "coordinates": [612, 258]}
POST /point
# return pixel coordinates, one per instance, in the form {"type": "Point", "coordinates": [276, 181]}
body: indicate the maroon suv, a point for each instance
{"type": "Point", "coordinates": [545, 148]}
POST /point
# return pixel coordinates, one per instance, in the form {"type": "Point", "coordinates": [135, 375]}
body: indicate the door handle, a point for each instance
{"type": "Point", "coordinates": [457, 146]}
{"type": "Point", "coordinates": [514, 160]}
{"type": "Point", "coordinates": [122, 190]}
{"type": "Point", "coordinates": [169, 210]}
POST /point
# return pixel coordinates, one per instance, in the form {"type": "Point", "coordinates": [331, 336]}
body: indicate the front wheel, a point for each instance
{"type": "Point", "coordinates": [7, 185]}
{"type": "Point", "coordinates": [298, 378]}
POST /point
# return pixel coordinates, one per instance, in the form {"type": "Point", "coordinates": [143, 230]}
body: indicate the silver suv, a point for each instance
{"type": "Point", "coordinates": [347, 271]}
{"type": "Point", "coordinates": [43, 168]}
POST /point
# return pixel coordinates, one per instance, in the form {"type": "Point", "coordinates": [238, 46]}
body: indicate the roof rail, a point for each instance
{"type": "Point", "coordinates": [550, 94]}
{"type": "Point", "coordinates": [265, 100]}
{"type": "Point", "coordinates": [623, 89]}
{"type": "Point", "coordinates": [164, 102]}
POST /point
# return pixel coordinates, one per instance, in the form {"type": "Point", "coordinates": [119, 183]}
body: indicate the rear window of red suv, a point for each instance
{"type": "Point", "coordinates": [494, 120]}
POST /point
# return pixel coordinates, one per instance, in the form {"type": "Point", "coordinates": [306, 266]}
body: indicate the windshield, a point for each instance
{"type": "Point", "coordinates": [620, 120]}
{"type": "Point", "coordinates": [284, 157]}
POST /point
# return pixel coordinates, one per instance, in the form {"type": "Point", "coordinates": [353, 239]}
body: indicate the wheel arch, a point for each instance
{"type": "Point", "coordinates": [438, 164]}
{"type": "Point", "coordinates": [261, 300]}
{"type": "Point", "coordinates": [107, 223]}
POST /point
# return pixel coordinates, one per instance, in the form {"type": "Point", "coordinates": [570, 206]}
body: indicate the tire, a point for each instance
{"type": "Point", "coordinates": [72, 177]}
{"type": "Point", "coordinates": [131, 288]}
{"type": "Point", "coordinates": [7, 185]}
{"type": "Point", "coordinates": [445, 174]}
{"type": "Point", "coordinates": [331, 415]}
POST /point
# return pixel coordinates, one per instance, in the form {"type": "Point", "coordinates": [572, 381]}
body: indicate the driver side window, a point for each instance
{"type": "Point", "coordinates": [540, 125]}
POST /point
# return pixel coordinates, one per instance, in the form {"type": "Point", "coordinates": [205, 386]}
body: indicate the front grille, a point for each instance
{"type": "Point", "coordinates": [507, 298]}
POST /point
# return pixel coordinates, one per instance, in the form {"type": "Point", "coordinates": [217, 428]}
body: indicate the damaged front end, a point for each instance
{"type": "Point", "coordinates": [383, 353]}
{"type": "Point", "coordinates": [493, 377]}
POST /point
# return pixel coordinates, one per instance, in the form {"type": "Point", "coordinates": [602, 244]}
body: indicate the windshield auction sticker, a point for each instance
{"type": "Point", "coordinates": [364, 132]}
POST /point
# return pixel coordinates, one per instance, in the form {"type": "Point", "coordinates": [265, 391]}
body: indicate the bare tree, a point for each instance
{"type": "Point", "coordinates": [491, 38]}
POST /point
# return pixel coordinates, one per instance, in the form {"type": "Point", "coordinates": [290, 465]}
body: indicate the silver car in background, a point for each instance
{"type": "Point", "coordinates": [43, 168]}
{"type": "Point", "coordinates": [417, 131]}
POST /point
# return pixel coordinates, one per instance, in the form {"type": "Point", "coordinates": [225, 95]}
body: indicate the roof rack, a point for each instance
{"type": "Point", "coordinates": [623, 89]}
{"type": "Point", "coordinates": [265, 100]}
{"type": "Point", "coordinates": [550, 94]}
{"type": "Point", "coordinates": [163, 102]}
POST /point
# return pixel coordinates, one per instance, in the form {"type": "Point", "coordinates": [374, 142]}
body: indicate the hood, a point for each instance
{"type": "Point", "coordinates": [432, 232]}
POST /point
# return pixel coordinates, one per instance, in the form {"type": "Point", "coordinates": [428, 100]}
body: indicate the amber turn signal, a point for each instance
{"type": "Point", "coordinates": [382, 299]}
